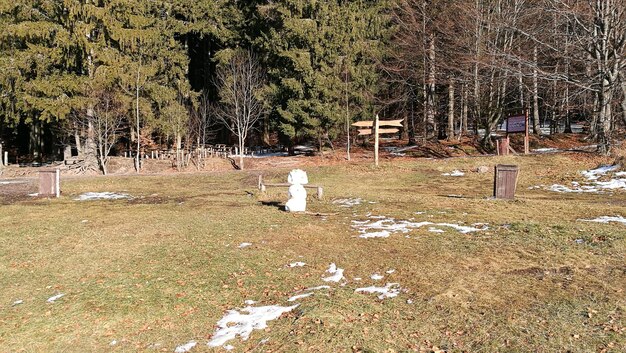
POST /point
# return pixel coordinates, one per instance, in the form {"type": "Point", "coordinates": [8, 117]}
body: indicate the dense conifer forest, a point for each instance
{"type": "Point", "coordinates": [110, 76]}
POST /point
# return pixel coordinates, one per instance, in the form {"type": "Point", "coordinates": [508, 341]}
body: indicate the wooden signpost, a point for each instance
{"type": "Point", "coordinates": [374, 128]}
{"type": "Point", "coordinates": [517, 124]}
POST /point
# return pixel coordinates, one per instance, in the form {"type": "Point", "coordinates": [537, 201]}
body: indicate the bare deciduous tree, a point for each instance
{"type": "Point", "coordinates": [240, 80]}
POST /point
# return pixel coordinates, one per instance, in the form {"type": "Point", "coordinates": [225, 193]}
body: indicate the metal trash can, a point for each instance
{"type": "Point", "coordinates": [49, 183]}
{"type": "Point", "coordinates": [505, 181]}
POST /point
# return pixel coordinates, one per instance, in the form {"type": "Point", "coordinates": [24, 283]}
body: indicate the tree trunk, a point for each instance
{"type": "Point", "coordinates": [450, 132]}
{"type": "Point", "coordinates": [430, 93]}
{"type": "Point", "coordinates": [623, 103]}
{"type": "Point", "coordinates": [138, 156]}
{"type": "Point", "coordinates": [241, 147]}
{"type": "Point", "coordinates": [536, 127]}
{"type": "Point", "coordinates": [464, 111]}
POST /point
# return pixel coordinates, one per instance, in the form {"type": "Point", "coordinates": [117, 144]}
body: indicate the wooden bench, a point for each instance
{"type": "Point", "coordinates": [263, 187]}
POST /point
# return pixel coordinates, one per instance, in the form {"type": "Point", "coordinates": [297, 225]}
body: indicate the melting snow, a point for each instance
{"type": "Point", "coordinates": [13, 182]}
{"type": "Point", "coordinates": [455, 173]}
{"type": "Point", "coordinates": [185, 347]}
{"type": "Point", "coordinates": [389, 291]}
{"type": "Point", "coordinates": [88, 196]}
{"type": "Point", "coordinates": [337, 274]}
{"type": "Point", "coordinates": [18, 302]}
{"type": "Point", "coordinates": [606, 219]}
{"type": "Point", "coordinates": [299, 296]}
{"type": "Point", "coordinates": [348, 202]}
{"type": "Point", "coordinates": [54, 298]}
{"type": "Point", "coordinates": [593, 183]}
{"type": "Point", "coordinates": [383, 228]}
{"type": "Point", "coordinates": [297, 264]}
{"type": "Point", "coordinates": [249, 302]}
{"type": "Point", "coordinates": [391, 271]}
{"type": "Point", "coordinates": [235, 323]}
{"type": "Point", "coordinates": [436, 230]}
{"type": "Point", "coordinates": [595, 174]}
{"type": "Point", "coordinates": [228, 347]}
{"type": "Point", "coordinates": [377, 277]}
{"type": "Point", "coordinates": [317, 288]}
{"type": "Point", "coordinates": [545, 150]}
{"type": "Point", "coordinates": [244, 245]}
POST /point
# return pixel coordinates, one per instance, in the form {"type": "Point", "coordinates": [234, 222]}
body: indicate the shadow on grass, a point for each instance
{"type": "Point", "coordinates": [276, 204]}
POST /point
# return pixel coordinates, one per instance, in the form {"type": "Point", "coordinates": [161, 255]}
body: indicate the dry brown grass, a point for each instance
{"type": "Point", "coordinates": [160, 270]}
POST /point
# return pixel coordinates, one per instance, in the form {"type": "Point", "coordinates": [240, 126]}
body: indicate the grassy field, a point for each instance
{"type": "Point", "coordinates": [157, 271]}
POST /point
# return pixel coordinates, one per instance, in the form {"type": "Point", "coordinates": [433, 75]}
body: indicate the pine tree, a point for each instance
{"type": "Point", "coordinates": [311, 47]}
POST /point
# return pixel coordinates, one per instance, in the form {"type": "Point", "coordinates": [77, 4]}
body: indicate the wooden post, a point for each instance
{"type": "Point", "coordinates": [376, 125]}
{"type": "Point", "coordinates": [526, 137]}
{"type": "Point", "coordinates": [6, 158]}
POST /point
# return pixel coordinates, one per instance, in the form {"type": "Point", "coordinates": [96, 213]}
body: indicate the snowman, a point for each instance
{"type": "Point", "coordinates": [297, 194]}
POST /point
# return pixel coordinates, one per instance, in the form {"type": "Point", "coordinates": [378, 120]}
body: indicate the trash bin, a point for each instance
{"type": "Point", "coordinates": [49, 183]}
{"type": "Point", "coordinates": [505, 181]}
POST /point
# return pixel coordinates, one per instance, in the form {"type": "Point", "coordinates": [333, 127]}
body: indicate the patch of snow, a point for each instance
{"type": "Point", "coordinates": [261, 155]}
{"type": "Point", "coordinates": [545, 150]}
{"type": "Point", "coordinates": [337, 274]}
{"type": "Point", "coordinates": [389, 291]}
{"type": "Point", "coordinates": [620, 174]}
{"type": "Point", "coordinates": [185, 347]}
{"type": "Point", "coordinates": [606, 219]}
{"type": "Point", "coordinates": [391, 271]}
{"type": "Point", "coordinates": [34, 194]}
{"type": "Point", "coordinates": [454, 173]}
{"type": "Point", "coordinates": [409, 301]}
{"type": "Point", "coordinates": [229, 347]}
{"type": "Point", "coordinates": [55, 298]}
{"type": "Point", "coordinates": [89, 196]}
{"type": "Point", "coordinates": [381, 234]}
{"type": "Point", "coordinates": [351, 202]}
{"type": "Point", "coordinates": [383, 228]}
{"type": "Point", "coordinates": [436, 230]}
{"type": "Point", "coordinates": [236, 323]}
{"type": "Point", "coordinates": [461, 229]}
{"type": "Point", "coordinates": [297, 264]}
{"type": "Point", "coordinates": [317, 288]}
{"type": "Point", "coordinates": [244, 245]}
{"type": "Point", "coordinates": [377, 277]}
{"type": "Point", "coordinates": [299, 296]}
{"type": "Point", "coordinates": [249, 302]}
{"type": "Point", "coordinates": [612, 184]}
{"type": "Point", "coordinates": [18, 302]}
{"type": "Point", "coordinates": [113, 343]}
{"type": "Point", "coordinates": [576, 189]}
{"type": "Point", "coordinates": [595, 174]}
{"type": "Point", "coordinates": [358, 279]}
{"type": "Point", "coordinates": [8, 182]}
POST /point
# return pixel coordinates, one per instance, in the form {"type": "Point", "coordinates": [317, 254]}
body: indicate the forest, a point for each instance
{"type": "Point", "coordinates": [105, 77]}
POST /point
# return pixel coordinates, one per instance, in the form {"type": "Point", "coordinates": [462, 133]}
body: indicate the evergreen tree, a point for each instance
{"type": "Point", "coordinates": [312, 48]}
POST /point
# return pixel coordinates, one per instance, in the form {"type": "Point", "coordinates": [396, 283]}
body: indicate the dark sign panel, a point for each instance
{"type": "Point", "coordinates": [516, 124]}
